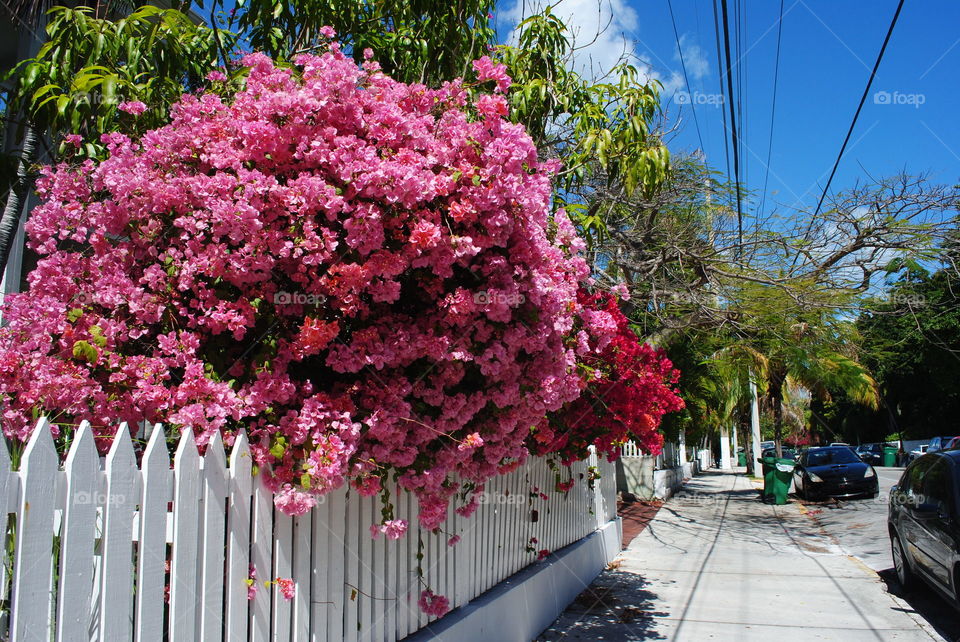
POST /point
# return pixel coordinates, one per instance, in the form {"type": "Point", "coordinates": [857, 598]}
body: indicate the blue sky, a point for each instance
{"type": "Point", "coordinates": [828, 49]}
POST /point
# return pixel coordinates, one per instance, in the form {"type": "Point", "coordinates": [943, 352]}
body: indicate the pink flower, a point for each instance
{"type": "Point", "coordinates": [216, 76]}
{"type": "Point", "coordinates": [542, 554]}
{"type": "Point", "coordinates": [252, 583]}
{"type": "Point", "coordinates": [394, 528]}
{"type": "Point", "coordinates": [73, 139]}
{"type": "Point", "coordinates": [294, 501]}
{"type": "Point", "coordinates": [134, 107]}
{"type": "Point", "coordinates": [432, 604]}
{"type": "Point", "coordinates": [620, 289]}
{"type": "Point", "coordinates": [486, 70]}
{"type": "Point", "coordinates": [328, 32]}
{"type": "Point", "coordinates": [287, 587]}
{"type": "Point", "coordinates": [453, 541]}
{"type": "Point", "coordinates": [471, 441]}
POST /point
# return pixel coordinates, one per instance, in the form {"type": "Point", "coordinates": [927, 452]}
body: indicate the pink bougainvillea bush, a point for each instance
{"type": "Point", "coordinates": [363, 274]}
{"type": "Point", "coordinates": [630, 387]}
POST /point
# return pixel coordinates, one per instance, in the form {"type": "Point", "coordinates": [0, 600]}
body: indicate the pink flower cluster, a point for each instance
{"type": "Point", "coordinates": [364, 275]}
{"type": "Point", "coordinates": [433, 604]}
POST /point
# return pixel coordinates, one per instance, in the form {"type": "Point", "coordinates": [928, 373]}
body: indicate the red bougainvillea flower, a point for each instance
{"type": "Point", "coordinates": [629, 387]}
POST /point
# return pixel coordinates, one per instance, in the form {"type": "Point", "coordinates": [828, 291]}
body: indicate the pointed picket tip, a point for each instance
{"type": "Point", "coordinates": [156, 451]}
{"type": "Point", "coordinates": [83, 449]}
{"type": "Point", "coordinates": [40, 445]}
{"type": "Point", "coordinates": [187, 448]}
{"type": "Point", "coordinates": [121, 450]}
{"type": "Point", "coordinates": [215, 455]}
{"type": "Point", "coordinates": [241, 448]}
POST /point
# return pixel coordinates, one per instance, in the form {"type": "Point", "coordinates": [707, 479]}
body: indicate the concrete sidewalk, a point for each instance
{"type": "Point", "coordinates": [718, 564]}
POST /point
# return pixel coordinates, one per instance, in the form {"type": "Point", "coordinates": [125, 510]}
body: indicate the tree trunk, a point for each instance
{"type": "Point", "coordinates": [776, 398]}
{"type": "Point", "coordinates": [10, 222]}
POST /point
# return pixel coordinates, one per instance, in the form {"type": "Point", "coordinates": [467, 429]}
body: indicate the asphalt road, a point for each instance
{"type": "Point", "coordinates": [859, 528]}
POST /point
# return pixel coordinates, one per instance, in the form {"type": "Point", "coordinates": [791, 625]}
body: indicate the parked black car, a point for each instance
{"type": "Point", "coordinates": [834, 471]}
{"type": "Point", "coordinates": [788, 453]}
{"type": "Point", "coordinates": [871, 453]}
{"type": "Point", "coordinates": [924, 523]}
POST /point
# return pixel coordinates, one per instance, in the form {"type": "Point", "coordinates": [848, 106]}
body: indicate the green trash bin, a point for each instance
{"type": "Point", "coordinates": [889, 456]}
{"type": "Point", "coordinates": [777, 475]}
{"type": "Point", "coordinates": [741, 458]}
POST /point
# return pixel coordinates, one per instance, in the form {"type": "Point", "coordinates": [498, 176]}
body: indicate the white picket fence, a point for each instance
{"type": "Point", "coordinates": [91, 541]}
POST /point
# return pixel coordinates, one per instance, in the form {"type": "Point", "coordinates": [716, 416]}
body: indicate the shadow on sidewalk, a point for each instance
{"type": "Point", "coordinates": [925, 601]}
{"type": "Point", "coordinates": [617, 606]}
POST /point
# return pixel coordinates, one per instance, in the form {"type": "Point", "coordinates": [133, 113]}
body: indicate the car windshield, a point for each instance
{"type": "Point", "coordinates": [831, 456]}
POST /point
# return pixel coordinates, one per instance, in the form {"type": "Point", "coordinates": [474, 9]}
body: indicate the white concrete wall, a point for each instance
{"type": "Point", "coordinates": [521, 607]}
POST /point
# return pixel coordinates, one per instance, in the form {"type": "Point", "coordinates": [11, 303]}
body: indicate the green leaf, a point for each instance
{"type": "Point", "coordinates": [83, 351]}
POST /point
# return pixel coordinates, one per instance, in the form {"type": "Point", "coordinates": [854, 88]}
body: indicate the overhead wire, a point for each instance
{"type": "Point", "coordinates": [863, 99]}
{"type": "Point", "coordinates": [686, 79]}
{"type": "Point", "coordinates": [733, 121]}
{"type": "Point", "coordinates": [720, 75]}
{"type": "Point", "coordinates": [773, 111]}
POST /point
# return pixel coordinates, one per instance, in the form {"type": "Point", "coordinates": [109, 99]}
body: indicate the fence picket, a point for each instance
{"type": "Point", "coordinates": [302, 544]}
{"type": "Point", "coordinates": [337, 557]}
{"type": "Point", "coordinates": [33, 561]}
{"type": "Point", "coordinates": [282, 566]}
{"type": "Point", "coordinates": [261, 557]}
{"type": "Point", "coordinates": [238, 539]}
{"type": "Point", "coordinates": [9, 492]}
{"type": "Point", "coordinates": [319, 568]}
{"type": "Point", "coordinates": [186, 523]}
{"type": "Point", "coordinates": [116, 592]}
{"type": "Point", "coordinates": [214, 488]}
{"type": "Point", "coordinates": [77, 538]}
{"type": "Point", "coordinates": [152, 539]}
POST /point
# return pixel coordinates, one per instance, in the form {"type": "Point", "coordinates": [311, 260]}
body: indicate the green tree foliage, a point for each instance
{"type": "Point", "coordinates": [911, 341]}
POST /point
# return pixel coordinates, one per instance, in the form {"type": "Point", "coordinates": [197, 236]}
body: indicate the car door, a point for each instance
{"type": "Point", "coordinates": [911, 487]}
{"type": "Point", "coordinates": [934, 519]}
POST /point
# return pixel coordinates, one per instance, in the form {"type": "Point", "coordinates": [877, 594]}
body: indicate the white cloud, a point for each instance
{"type": "Point", "coordinates": [698, 66]}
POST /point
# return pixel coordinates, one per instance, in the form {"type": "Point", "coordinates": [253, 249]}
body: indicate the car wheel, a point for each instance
{"type": "Point", "coordinates": [900, 563]}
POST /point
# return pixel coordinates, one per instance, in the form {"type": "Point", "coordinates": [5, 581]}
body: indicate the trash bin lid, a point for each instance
{"type": "Point", "coordinates": [785, 465]}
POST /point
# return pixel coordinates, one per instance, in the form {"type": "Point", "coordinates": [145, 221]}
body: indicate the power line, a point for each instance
{"type": "Point", "coordinates": [773, 110]}
{"type": "Point", "coordinates": [733, 120]}
{"type": "Point", "coordinates": [716, 32]}
{"type": "Point", "coordinates": [683, 65]}
{"type": "Point", "coordinates": [863, 99]}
